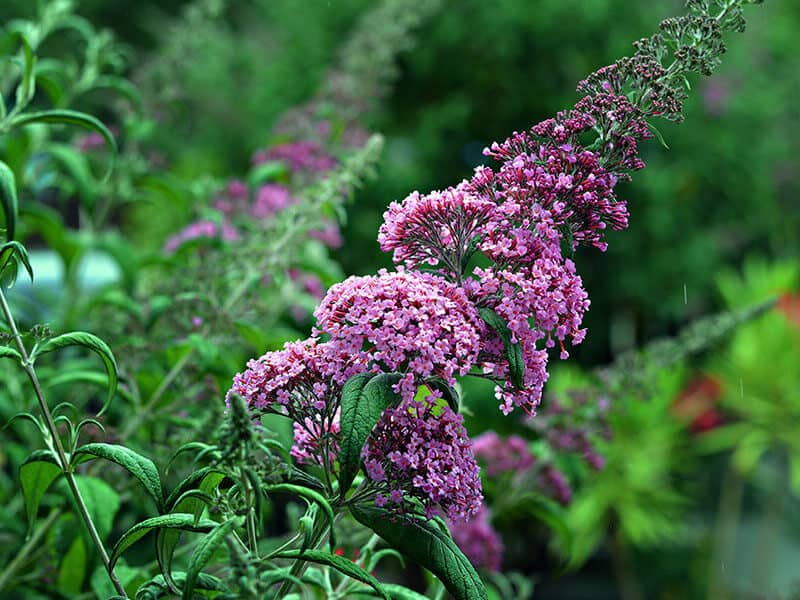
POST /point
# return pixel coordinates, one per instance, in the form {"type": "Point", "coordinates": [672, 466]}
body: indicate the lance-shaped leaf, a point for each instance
{"type": "Point", "coordinates": [137, 465]}
{"type": "Point", "coordinates": [93, 343]}
{"type": "Point", "coordinates": [68, 117]}
{"type": "Point", "coordinates": [516, 366]}
{"type": "Point", "coordinates": [27, 86]}
{"type": "Point", "coordinates": [204, 551]}
{"type": "Point", "coordinates": [364, 398]}
{"type": "Point", "coordinates": [157, 587]}
{"type": "Point", "coordinates": [341, 564]}
{"type": "Point", "coordinates": [309, 496]}
{"type": "Point", "coordinates": [12, 253]}
{"type": "Point", "coordinates": [36, 475]}
{"type": "Point", "coordinates": [182, 521]}
{"type": "Point", "coordinates": [6, 352]}
{"type": "Point", "coordinates": [427, 544]}
{"type": "Point", "coordinates": [190, 496]}
{"type": "Point", "coordinates": [8, 199]}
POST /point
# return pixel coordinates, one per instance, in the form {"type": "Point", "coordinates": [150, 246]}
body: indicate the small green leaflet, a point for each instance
{"type": "Point", "coordinates": [516, 366]}
{"type": "Point", "coordinates": [427, 544]}
{"type": "Point", "coordinates": [94, 343]}
{"type": "Point", "coordinates": [8, 199]}
{"type": "Point", "coordinates": [364, 398]}
{"type": "Point", "coordinates": [137, 465]}
{"type": "Point", "coordinates": [36, 475]}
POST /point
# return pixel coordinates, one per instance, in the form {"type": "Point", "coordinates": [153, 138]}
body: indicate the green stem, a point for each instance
{"type": "Point", "coordinates": [767, 538]}
{"type": "Point", "coordinates": [300, 565]}
{"type": "Point", "coordinates": [27, 364]}
{"type": "Point", "coordinates": [728, 516]}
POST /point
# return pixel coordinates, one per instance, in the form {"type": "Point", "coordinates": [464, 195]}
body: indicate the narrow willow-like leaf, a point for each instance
{"type": "Point", "coordinates": [137, 465]}
{"type": "Point", "coordinates": [658, 135]}
{"type": "Point", "coordinates": [157, 587]}
{"type": "Point", "coordinates": [190, 496]}
{"type": "Point", "coordinates": [425, 543]}
{"type": "Point", "coordinates": [93, 343]}
{"type": "Point", "coordinates": [516, 366]}
{"type": "Point", "coordinates": [204, 551]}
{"type": "Point", "coordinates": [396, 592]}
{"type": "Point", "coordinates": [69, 117]}
{"type": "Point", "coordinates": [205, 479]}
{"type": "Point", "coordinates": [6, 352]}
{"type": "Point", "coordinates": [364, 398]}
{"type": "Point", "coordinates": [27, 86]}
{"type": "Point", "coordinates": [378, 556]}
{"type": "Point", "coordinates": [36, 475]}
{"type": "Point", "coordinates": [8, 199]}
{"type": "Point", "coordinates": [77, 167]}
{"type": "Point", "coordinates": [182, 521]}
{"type": "Point", "coordinates": [14, 251]}
{"type": "Point", "coordinates": [341, 564]}
{"type": "Point", "coordinates": [309, 496]}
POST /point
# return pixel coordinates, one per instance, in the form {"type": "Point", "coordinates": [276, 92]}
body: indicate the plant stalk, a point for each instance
{"type": "Point", "coordinates": [59, 447]}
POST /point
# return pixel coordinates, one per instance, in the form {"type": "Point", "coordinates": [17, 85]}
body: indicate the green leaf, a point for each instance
{"type": "Point", "coordinates": [341, 564]}
{"type": "Point", "coordinates": [157, 587]}
{"type": "Point", "coordinates": [93, 343]}
{"type": "Point", "coordinates": [72, 569]}
{"type": "Point", "coordinates": [378, 556]}
{"type": "Point", "coordinates": [77, 167]}
{"type": "Point", "coordinates": [658, 135]}
{"type": "Point", "coordinates": [425, 543]}
{"type": "Point", "coordinates": [27, 85]}
{"type": "Point", "coordinates": [68, 117]}
{"type": "Point", "coordinates": [122, 86]}
{"type": "Point", "coordinates": [101, 500]}
{"type": "Point", "coordinates": [182, 521]}
{"type": "Point", "coordinates": [36, 474]}
{"type": "Point", "coordinates": [268, 171]}
{"type": "Point", "coordinates": [203, 481]}
{"type": "Point", "coordinates": [8, 199]}
{"type": "Point", "coordinates": [14, 251]}
{"type": "Point", "coordinates": [398, 592]}
{"type": "Point", "coordinates": [137, 465]}
{"type": "Point", "coordinates": [204, 551]}
{"type": "Point", "coordinates": [6, 352]}
{"type": "Point", "coordinates": [130, 577]}
{"type": "Point", "coordinates": [364, 398]}
{"type": "Point", "coordinates": [448, 393]}
{"type": "Point", "coordinates": [309, 496]}
{"type": "Point", "coordinates": [516, 366]}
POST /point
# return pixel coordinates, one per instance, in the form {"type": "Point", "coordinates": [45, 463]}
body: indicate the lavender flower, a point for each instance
{"type": "Point", "coordinates": [499, 455]}
{"type": "Point", "coordinates": [420, 449]}
{"type": "Point", "coordinates": [404, 321]}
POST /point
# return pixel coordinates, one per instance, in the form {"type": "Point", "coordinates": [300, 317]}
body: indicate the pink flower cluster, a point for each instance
{"type": "Point", "coordinates": [305, 155]}
{"type": "Point", "coordinates": [415, 323]}
{"type": "Point", "coordinates": [421, 449]}
{"type": "Point", "coordinates": [499, 455]}
{"type": "Point", "coordinates": [479, 541]}
{"type": "Point", "coordinates": [554, 190]}
{"type": "Point", "coordinates": [203, 229]}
